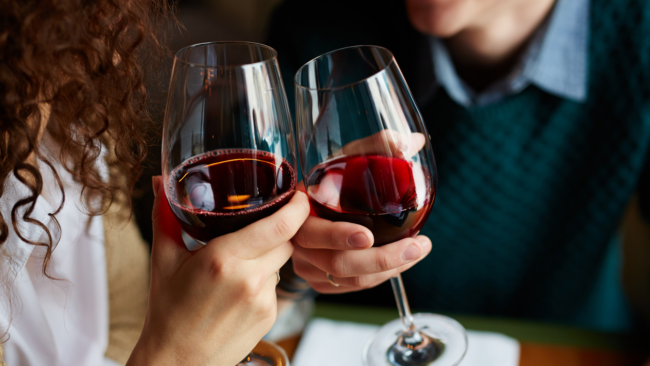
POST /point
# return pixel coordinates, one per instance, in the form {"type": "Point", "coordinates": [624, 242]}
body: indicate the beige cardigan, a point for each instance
{"type": "Point", "coordinates": [127, 266]}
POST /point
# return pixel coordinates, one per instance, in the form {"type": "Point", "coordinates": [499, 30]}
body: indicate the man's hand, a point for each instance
{"type": "Point", "coordinates": [345, 250]}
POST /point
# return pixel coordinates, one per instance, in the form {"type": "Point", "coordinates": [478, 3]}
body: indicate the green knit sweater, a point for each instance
{"type": "Point", "coordinates": [532, 188]}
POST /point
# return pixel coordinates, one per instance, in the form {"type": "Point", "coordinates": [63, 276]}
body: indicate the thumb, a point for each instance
{"type": "Point", "coordinates": [168, 246]}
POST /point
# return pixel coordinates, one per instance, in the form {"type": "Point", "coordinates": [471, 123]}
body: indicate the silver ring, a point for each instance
{"type": "Point", "coordinates": [329, 278]}
{"type": "Point", "coordinates": [278, 274]}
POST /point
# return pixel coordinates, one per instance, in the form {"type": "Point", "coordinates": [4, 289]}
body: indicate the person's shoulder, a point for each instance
{"type": "Point", "coordinates": [628, 14]}
{"type": "Point", "coordinates": [620, 34]}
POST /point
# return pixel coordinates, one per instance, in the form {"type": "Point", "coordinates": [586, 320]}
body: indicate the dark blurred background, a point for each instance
{"type": "Point", "coordinates": [198, 21]}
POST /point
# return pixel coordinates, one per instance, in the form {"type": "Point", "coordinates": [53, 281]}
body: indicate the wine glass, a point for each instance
{"type": "Point", "coordinates": [228, 153]}
{"type": "Point", "coordinates": [366, 158]}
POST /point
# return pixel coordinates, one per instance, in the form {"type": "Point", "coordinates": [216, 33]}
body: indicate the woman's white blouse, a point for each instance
{"type": "Point", "coordinates": [61, 322]}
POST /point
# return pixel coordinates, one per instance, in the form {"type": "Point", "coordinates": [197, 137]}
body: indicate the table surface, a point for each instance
{"type": "Point", "coordinates": [541, 344]}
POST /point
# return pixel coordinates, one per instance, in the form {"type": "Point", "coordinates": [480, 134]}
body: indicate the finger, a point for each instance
{"type": "Point", "coordinates": [264, 235]}
{"type": "Point", "coordinates": [274, 259]}
{"type": "Point", "coordinates": [317, 233]}
{"type": "Point", "coordinates": [268, 294]}
{"type": "Point", "coordinates": [348, 263]}
{"type": "Point", "coordinates": [415, 144]}
{"type": "Point", "coordinates": [301, 187]}
{"type": "Point", "coordinates": [167, 247]}
{"type": "Point", "coordinates": [320, 282]}
{"type": "Point", "coordinates": [387, 142]}
{"type": "Point", "coordinates": [327, 288]}
{"type": "Point", "coordinates": [314, 275]}
{"type": "Point", "coordinates": [317, 279]}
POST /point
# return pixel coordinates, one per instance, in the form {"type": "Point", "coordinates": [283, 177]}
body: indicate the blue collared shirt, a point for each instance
{"type": "Point", "coordinates": [555, 61]}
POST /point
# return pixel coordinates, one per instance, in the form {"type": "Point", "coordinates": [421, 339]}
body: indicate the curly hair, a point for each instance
{"type": "Point", "coordinates": [83, 60]}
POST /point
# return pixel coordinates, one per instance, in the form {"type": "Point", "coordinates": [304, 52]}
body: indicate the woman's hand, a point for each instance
{"type": "Point", "coordinates": [212, 306]}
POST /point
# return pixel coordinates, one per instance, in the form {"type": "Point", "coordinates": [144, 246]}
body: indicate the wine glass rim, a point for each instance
{"type": "Point", "coordinates": [274, 54]}
{"type": "Point", "coordinates": [392, 60]}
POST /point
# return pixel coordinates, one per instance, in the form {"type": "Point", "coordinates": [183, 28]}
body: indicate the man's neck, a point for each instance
{"type": "Point", "coordinates": [488, 49]}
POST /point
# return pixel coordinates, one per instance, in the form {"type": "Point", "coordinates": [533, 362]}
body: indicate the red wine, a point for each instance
{"type": "Point", "coordinates": [391, 197]}
{"type": "Point", "coordinates": [222, 191]}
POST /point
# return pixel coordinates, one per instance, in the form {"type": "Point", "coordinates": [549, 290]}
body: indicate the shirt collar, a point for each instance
{"type": "Point", "coordinates": [555, 61]}
{"type": "Point", "coordinates": [561, 65]}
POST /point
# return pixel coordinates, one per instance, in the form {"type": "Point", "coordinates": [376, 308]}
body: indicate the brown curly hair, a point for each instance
{"type": "Point", "coordinates": [83, 59]}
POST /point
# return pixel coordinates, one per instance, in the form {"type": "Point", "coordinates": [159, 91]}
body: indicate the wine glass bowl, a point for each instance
{"type": "Point", "coordinates": [366, 158]}
{"type": "Point", "coordinates": [228, 153]}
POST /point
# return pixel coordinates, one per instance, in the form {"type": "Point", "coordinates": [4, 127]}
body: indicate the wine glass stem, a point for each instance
{"type": "Point", "coordinates": [402, 302]}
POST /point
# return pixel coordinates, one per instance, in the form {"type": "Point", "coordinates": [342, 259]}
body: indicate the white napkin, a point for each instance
{"type": "Point", "coordinates": [327, 342]}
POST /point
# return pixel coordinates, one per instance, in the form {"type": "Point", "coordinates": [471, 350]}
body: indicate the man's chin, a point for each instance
{"type": "Point", "coordinates": [440, 29]}
{"type": "Point", "coordinates": [439, 20]}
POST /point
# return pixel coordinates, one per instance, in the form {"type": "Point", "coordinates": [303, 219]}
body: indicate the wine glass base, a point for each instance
{"type": "Point", "coordinates": [446, 346]}
{"type": "Point", "coordinates": [266, 354]}
{"type": "Point", "coordinates": [414, 348]}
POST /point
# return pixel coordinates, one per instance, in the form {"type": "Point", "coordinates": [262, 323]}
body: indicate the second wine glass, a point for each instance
{"type": "Point", "coordinates": [366, 158]}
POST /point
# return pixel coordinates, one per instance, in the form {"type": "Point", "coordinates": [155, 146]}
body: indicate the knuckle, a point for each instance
{"type": "Point", "coordinates": [362, 282]}
{"type": "Point", "coordinates": [217, 268]}
{"type": "Point", "coordinates": [249, 289]}
{"type": "Point", "coordinates": [267, 310]}
{"type": "Point", "coordinates": [264, 313]}
{"type": "Point", "coordinates": [336, 266]}
{"type": "Point", "coordinates": [383, 263]}
{"type": "Point", "coordinates": [282, 228]}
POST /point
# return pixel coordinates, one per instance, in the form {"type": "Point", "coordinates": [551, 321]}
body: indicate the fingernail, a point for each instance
{"type": "Point", "coordinates": [426, 243]}
{"type": "Point", "coordinates": [358, 240]}
{"type": "Point", "coordinates": [411, 253]}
